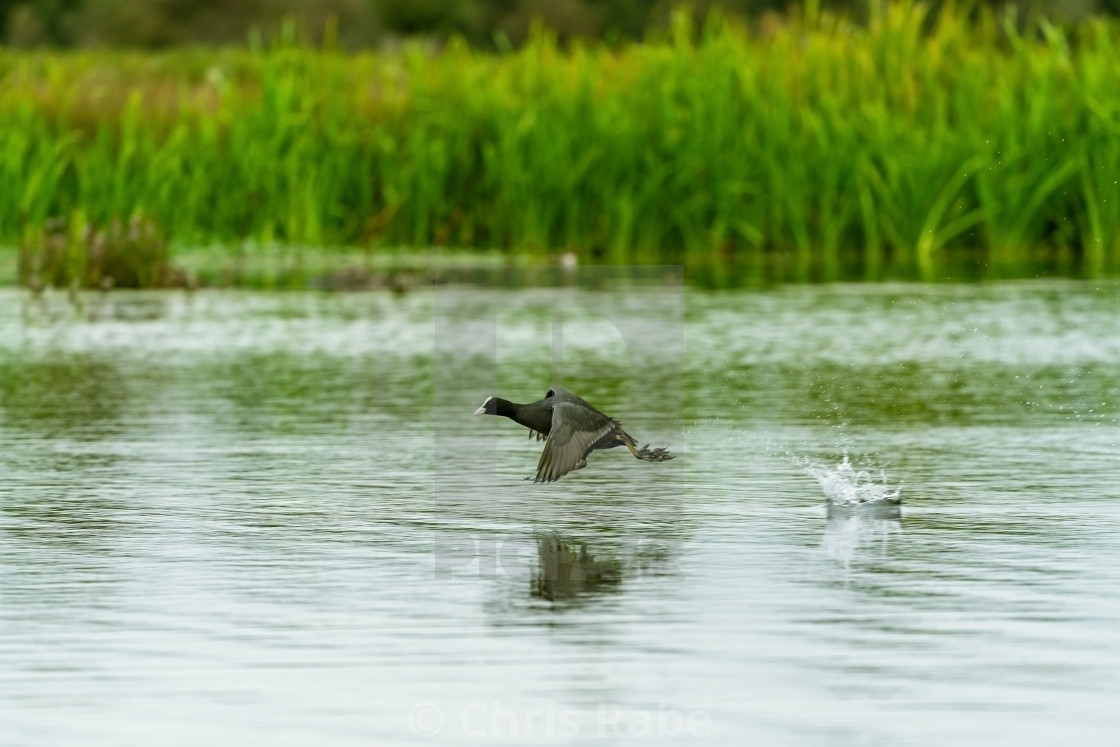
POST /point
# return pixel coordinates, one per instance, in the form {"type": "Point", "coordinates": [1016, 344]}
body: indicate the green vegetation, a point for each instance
{"type": "Point", "coordinates": [364, 24]}
{"type": "Point", "coordinates": [810, 149]}
{"type": "Point", "coordinates": [131, 254]}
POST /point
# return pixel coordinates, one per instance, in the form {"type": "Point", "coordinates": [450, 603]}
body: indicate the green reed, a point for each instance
{"type": "Point", "coordinates": [811, 149]}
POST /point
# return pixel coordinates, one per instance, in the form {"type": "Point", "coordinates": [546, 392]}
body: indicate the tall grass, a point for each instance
{"type": "Point", "coordinates": [810, 149]}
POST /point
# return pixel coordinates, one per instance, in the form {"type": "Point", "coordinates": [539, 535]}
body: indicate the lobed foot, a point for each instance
{"type": "Point", "coordinates": [654, 455]}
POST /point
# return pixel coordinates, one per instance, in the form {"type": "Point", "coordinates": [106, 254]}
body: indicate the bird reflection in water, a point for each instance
{"type": "Point", "coordinates": [566, 570]}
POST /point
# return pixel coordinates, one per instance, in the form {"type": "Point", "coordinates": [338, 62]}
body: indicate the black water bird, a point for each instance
{"type": "Point", "coordinates": [572, 429]}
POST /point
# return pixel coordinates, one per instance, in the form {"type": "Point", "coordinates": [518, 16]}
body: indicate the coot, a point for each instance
{"type": "Point", "coordinates": [573, 430]}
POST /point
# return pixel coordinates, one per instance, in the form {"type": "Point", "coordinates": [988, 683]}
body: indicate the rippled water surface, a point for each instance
{"type": "Point", "coordinates": [273, 519]}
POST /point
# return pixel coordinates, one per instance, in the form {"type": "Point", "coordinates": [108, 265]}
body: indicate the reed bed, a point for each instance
{"type": "Point", "coordinates": [811, 149]}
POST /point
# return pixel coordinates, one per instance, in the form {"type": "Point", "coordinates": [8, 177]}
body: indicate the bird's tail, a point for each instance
{"type": "Point", "coordinates": [646, 454]}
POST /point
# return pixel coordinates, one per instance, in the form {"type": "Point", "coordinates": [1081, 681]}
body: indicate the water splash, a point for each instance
{"type": "Point", "coordinates": [844, 485]}
{"type": "Point", "coordinates": [863, 508]}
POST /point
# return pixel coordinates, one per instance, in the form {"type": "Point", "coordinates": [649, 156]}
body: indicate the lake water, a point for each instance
{"type": "Point", "coordinates": [273, 519]}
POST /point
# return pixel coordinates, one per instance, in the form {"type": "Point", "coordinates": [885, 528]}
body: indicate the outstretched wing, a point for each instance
{"type": "Point", "coordinates": [566, 443]}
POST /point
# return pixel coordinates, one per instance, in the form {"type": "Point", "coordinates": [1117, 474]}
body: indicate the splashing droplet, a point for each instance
{"type": "Point", "coordinates": [844, 485]}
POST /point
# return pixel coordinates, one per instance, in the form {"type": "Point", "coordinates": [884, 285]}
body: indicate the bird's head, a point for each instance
{"type": "Point", "coordinates": [489, 407]}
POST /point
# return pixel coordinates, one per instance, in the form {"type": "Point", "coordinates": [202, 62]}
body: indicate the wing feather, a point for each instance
{"type": "Point", "coordinates": [566, 445]}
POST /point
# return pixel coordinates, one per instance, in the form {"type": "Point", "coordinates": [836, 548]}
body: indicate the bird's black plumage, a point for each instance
{"type": "Point", "coordinates": [572, 429]}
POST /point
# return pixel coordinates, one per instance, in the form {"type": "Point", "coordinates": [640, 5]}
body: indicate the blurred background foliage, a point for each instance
{"type": "Point", "coordinates": [355, 24]}
{"type": "Point", "coordinates": [886, 140]}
